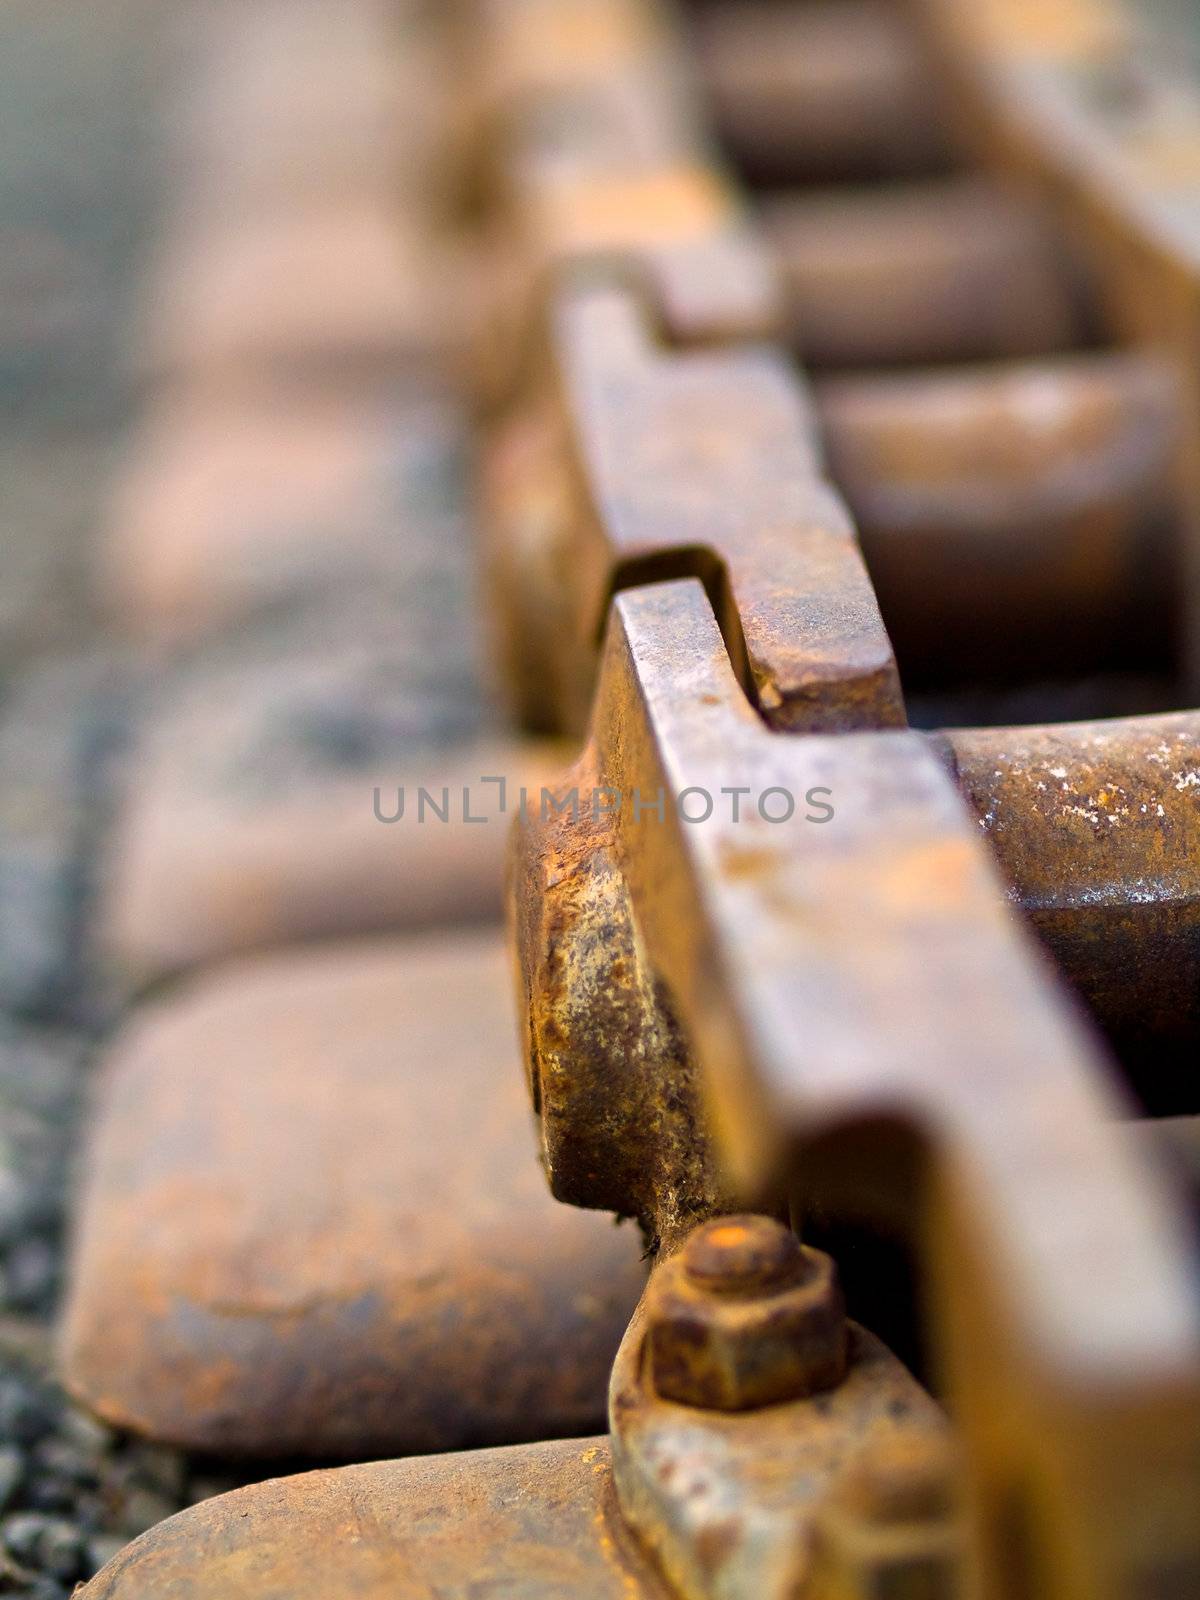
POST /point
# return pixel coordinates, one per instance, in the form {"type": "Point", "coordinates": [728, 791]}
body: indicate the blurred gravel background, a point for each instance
{"type": "Point", "coordinates": [76, 193]}
{"type": "Point", "coordinates": [1180, 22]}
{"type": "Point", "coordinates": [91, 111]}
{"type": "Point", "coordinates": [78, 135]}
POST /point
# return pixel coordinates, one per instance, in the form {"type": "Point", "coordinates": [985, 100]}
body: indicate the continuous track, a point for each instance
{"type": "Point", "coordinates": [835, 377]}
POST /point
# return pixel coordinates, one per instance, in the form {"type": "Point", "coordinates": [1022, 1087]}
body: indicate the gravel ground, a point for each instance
{"type": "Point", "coordinates": [72, 1491]}
{"type": "Point", "coordinates": [76, 202]}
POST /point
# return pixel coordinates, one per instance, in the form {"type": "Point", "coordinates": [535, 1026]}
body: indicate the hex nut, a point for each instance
{"type": "Point", "coordinates": [745, 1316]}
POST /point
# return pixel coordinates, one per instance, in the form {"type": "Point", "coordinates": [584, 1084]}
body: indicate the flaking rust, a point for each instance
{"type": "Point", "coordinates": [614, 1088]}
{"type": "Point", "coordinates": [874, 1034]}
{"type": "Point", "coordinates": [1096, 827]}
{"type": "Point", "coordinates": [861, 1024]}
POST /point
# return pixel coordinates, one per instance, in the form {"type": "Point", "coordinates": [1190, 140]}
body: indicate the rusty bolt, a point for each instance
{"type": "Point", "coordinates": [745, 1316]}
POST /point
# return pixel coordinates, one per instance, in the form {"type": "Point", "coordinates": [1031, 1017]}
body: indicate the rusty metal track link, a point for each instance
{"type": "Point", "coordinates": [847, 1016]}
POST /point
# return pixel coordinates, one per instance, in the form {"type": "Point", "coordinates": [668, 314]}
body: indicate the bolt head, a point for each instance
{"type": "Point", "coordinates": [745, 1316]}
{"type": "Point", "coordinates": [743, 1256]}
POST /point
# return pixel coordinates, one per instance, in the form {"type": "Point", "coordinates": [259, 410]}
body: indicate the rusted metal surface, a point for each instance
{"type": "Point", "coordinates": [964, 266]}
{"type": "Point", "coordinates": [313, 1226]}
{"type": "Point", "coordinates": [952, 270]}
{"type": "Point", "coordinates": [618, 1100]}
{"type": "Point", "coordinates": [255, 820]}
{"type": "Point", "coordinates": [566, 91]}
{"type": "Point", "coordinates": [832, 88]}
{"type": "Point", "coordinates": [320, 295]}
{"type": "Point", "coordinates": [877, 1035]}
{"type": "Point", "coordinates": [1088, 111]}
{"type": "Point", "coordinates": [537, 1521]}
{"type": "Point", "coordinates": [598, 155]}
{"type": "Point", "coordinates": [236, 507]}
{"type": "Point", "coordinates": [521, 49]}
{"type": "Point", "coordinates": [854, 1020]}
{"type": "Point", "coordinates": [679, 233]}
{"type": "Point", "coordinates": [847, 1493]}
{"type": "Point", "coordinates": [744, 1316]}
{"type": "Point", "coordinates": [1014, 518]}
{"type": "Point", "coordinates": [1096, 828]}
{"type": "Point", "coordinates": [688, 462]}
{"type": "Point", "coordinates": [1077, 93]}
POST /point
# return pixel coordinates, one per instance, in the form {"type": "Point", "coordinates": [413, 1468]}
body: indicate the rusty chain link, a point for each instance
{"type": "Point", "coordinates": [850, 1022]}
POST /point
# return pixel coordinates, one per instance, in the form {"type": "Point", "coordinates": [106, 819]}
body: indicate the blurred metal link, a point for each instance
{"type": "Point", "coordinates": [1014, 517]}
{"type": "Point", "coordinates": [593, 171]}
{"type": "Point", "coordinates": [876, 1038]}
{"type": "Point", "coordinates": [593, 150]}
{"type": "Point", "coordinates": [1077, 103]}
{"type": "Point", "coordinates": [954, 270]}
{"type": "Point", "coordinates": [829, 89]}
{"type": "Point", "coordinates": [538, 66]}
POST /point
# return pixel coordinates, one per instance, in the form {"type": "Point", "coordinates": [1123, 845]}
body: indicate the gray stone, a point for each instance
{"type": "Point", "coordinates": [44, 1544]}
{"type": "Point", "coordinates": [12, 1474]}
{"type": "Point", "coordinates": [58, 726]}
